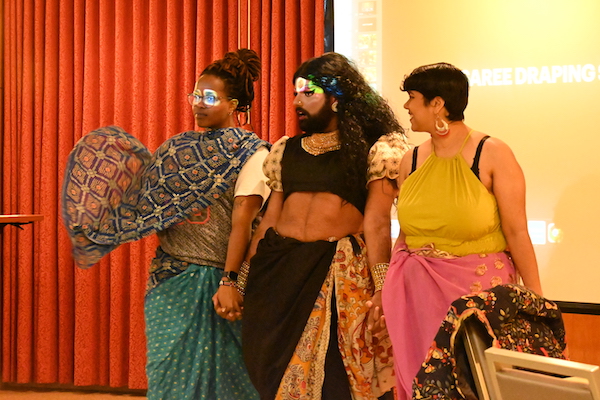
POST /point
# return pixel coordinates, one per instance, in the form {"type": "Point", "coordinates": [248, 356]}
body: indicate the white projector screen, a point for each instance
{"type": "Point", "coordinates": [534, 68]}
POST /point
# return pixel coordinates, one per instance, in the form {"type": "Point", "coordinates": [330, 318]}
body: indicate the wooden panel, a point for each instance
{"type": "Point", "coordinates": [19, 219]}
{"type": "Point", "coordinates": [583, 337]}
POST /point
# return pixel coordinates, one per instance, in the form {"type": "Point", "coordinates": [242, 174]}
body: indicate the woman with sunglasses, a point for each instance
{"type": "Point", "coordinates": [200, 192]}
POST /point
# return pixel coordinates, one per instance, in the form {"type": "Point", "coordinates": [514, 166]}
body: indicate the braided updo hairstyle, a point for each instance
{"type": "Point", "coordinates": [238, 70]}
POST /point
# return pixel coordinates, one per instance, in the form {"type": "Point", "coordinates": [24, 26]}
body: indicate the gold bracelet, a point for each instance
{"type": "Point", "coordinates": [379, 271]}
{"type": "Point", "coordinates": [243, 277]}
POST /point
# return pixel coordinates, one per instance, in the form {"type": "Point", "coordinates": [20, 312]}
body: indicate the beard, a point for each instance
{"type": "Point", "coordinates": [317, 123]}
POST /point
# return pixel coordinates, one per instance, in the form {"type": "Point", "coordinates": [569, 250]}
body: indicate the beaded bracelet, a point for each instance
{"type": "Point", "coordinates": [379, 271]}
{"type": "Point", "coordinates": [228, 282]}
{"type": "Point", "coordinates": [243, 277]}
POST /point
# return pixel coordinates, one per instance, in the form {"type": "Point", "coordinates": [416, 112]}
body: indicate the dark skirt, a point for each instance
{"type": "Point", "coordinates": [285, 278]}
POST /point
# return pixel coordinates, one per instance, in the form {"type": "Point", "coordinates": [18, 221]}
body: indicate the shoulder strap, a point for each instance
{"type": "Point", "coordinates": [465, 141]}
{"type": "Point", "coordinates": [475, 166]}
{"type": "Point", "coordinates": [414, 160]}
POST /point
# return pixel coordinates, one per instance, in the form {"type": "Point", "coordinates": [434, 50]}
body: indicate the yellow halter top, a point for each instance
{"type": "Point", "coordinates": [444, 203]}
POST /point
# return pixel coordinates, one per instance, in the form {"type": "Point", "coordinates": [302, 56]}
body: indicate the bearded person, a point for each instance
{"type": "Point", "coordinates": [310, 286]}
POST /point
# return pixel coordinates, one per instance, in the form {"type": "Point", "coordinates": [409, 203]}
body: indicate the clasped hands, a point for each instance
{"type": "Point", "coordinates": [375, 317]}
{"type": "Point", "coordinates": [228, 303]}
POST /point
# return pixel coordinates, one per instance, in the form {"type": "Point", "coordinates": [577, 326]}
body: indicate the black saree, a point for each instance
{"type": "Point", "coordinates": [285, 278]}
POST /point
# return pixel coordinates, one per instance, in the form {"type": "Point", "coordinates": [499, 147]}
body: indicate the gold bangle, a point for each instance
{"type": "Point", "coordinates": [379, 271]}
{"type": "Point", "coordinates": [243, 276]}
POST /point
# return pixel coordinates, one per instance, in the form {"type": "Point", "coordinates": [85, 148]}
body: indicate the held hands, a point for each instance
{"type": "Point", "coordinates": [228, 303]}
{"type": "Point", "coordinates": [375, 317]}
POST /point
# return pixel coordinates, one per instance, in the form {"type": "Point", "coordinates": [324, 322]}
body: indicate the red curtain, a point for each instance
{"type": "Point", "coordinates": [68, 68]}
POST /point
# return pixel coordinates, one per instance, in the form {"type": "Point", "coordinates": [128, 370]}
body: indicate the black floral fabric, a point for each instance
{"type": "Point", "coordinates": [514, 317]}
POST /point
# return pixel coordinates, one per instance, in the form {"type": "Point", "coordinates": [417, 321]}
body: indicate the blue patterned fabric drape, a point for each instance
{"type": "Point", "coordinates": [115, 191]}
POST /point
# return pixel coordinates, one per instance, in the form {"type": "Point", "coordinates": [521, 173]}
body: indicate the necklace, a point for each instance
{"type": "Point", "coordinates": [321, 143]}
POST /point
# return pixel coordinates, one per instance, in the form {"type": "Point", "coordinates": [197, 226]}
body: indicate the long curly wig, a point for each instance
{"type": "Point", "coordinates": [363, 115]}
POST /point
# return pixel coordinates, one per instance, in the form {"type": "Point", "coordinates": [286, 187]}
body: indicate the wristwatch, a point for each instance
{"type": "Point", "coordinates": [231, 275]}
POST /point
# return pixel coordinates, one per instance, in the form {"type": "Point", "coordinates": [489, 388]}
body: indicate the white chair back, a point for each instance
{"type": "Point", "coordinates": [515, 375]}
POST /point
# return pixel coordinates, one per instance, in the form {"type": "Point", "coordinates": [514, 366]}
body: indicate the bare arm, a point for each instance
{"type": "Point", "coordinates": [377, 229]}
{"type": "Point", "coordinates": [405, 167]}
{"type": "Point", "coordinates": [268, 221]}
{"type": "Point", "coordinates": [272, 169]}
{"type": "Point", "coordinates": [245, 209]}
{"type": "Point", "coordinates": [382, 193]}
{"type": "Point", "coordinates": [377, 223]}
{"type": "Point", "coordinates": [508, 185]}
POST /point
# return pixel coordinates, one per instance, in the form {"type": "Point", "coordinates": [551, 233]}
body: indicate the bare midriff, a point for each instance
{"type": "Point", "coordinates": [312, 216]}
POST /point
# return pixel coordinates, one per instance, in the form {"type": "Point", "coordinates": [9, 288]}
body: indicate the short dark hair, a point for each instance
{"type": "Point", "coordinates": [443, 80]}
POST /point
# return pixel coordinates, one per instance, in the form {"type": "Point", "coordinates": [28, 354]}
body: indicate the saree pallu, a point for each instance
{"type": "Point", "coordinates": [287, 317]}
{"type": "Point", "coordinates": [115, 191]}
{"type": "Point", "coordinates": [419, 288]}
{"type": "Point", "coordinates": [192, 352]}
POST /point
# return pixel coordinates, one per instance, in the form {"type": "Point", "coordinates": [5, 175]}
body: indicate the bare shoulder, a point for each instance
{"type": "Point", "coordinates": [499, 161]}
{"type": "Point", "coordinates": [497, 150]}
{"type": "Point", "coordinates": [405, 165]}
{"type": "Point", "coordinates": [407, 157]}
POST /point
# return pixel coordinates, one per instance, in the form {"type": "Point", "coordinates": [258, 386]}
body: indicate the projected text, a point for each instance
{"type": "Point", "coordinates": [533, 75]}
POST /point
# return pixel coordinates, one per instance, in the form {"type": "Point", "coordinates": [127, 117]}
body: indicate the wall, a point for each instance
{"type": "Point", "coordinates": [534, 68]}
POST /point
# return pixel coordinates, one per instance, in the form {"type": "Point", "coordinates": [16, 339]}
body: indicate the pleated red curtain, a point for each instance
{"type": "Point", "coordinates": [285, 33]}
{"type": "Point", "coordinates": [68, 68]}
